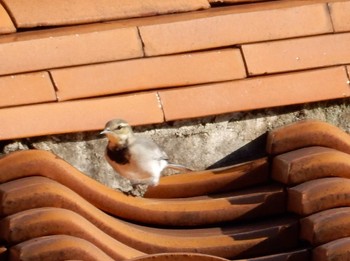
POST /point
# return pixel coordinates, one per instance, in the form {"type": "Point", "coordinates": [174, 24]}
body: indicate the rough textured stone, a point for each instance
{"type": "Point", "coordinates": [199, 144]}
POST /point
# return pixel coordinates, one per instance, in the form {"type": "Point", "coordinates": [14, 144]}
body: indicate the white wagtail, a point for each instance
{"type": "Point", "coordinates": [136, 158]}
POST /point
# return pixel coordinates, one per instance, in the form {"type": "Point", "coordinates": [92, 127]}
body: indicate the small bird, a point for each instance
{"type": "Point", "coordinates": [138, 159]}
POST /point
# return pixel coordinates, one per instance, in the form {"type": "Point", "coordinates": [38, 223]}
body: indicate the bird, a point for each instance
{"type": "Point", "coordinates": [136, 158]}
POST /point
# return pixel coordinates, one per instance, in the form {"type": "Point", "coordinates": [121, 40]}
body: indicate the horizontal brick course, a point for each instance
{"type": "Point", "coordinates": [75, 116]}
{"type": "Point", "coordinates": [256, 93]}
{"type": "Point", "coordinates": [99, 59]}
{"type": "Point", "coordinates": [26, 89]}
{"type": "Point", "coordinates": [67, 46]}
{"type": "Point", "coordinates": [6, 25]}
{"type": "Point", "coordinates": [62, 12]}
{"type": "Point", "coordinates": [234, 1]}
{"type": "Point", "coordinates": [297, 54]}
{"type": "Point", "coordinates": [340, 15]}
{"type": "Point", "coordinates": [234, 25]}
{"type": "Point", "coordinates": [142, 74]}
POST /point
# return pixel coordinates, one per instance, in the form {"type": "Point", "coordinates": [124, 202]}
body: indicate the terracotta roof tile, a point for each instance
{"type": "Point", "coordinates": [323, 227]}
{"type": "Point", "coordinates": [75, 116]}
{"type": "Point", "coordinates": [179, 256]}
{"type": "Point", "coordinates": [334, 250]}
{"type": "Point", "coordinates": [310, 197]}
{"type": "Point", "coordinates": [37, 192]}
{"type": "Point", "coordinates": [29, 212]}
{"type": "Point", "coordinates": [57, 12]}
{"type": "Point", "coordinates": [259, 202]}
{"type": "Point", "coordinates": [47, 221]}
{"type": "Point", "coordinates": [56, 247]}
{"type": "Point", "coordinates": [3, 253]}
{"type": "Point", "coordinates": [40, 222]}
{"type": "Point", "coordinates": [255, 93]}
{"type": "Point", "coordinates": [39, 50]}
{"type": "Point", "coordinates": [214, 27]}
{"type": "Point", "coordinates": [340, 15]}
{"type": "Point", "coordinates": [289, 168]}
{"type": "Point", "coordinates": [307, 133]}
{"type": "Point", "coordinates": [26, 89]}
{"type": "Point", "coordinates": [104, 59]}
{"type": "Point", "coordinates": [6, 25]}
{"type": "Point", "coordinates": [297, 54]}
{"type": "Point", "coordinates": [198, 183]}
{"type": "Point", "coordinates": [143, 74]}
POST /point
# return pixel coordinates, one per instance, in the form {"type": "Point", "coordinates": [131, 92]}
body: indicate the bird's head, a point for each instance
{"type": "Point", "coordinates": [118, 132]}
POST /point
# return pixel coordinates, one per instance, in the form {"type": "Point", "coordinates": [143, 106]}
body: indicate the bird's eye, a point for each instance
{"type": "Point", "coordinates": [119, 127]}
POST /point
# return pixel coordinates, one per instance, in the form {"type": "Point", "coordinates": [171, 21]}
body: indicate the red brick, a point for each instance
{"type": "Point", "coordinates": [297, 54]}
{"type": "Point", "coordinates": [26, 89]}
{"type": "Point", "coordinates": [233, 25]}
{"type": "Point", "coordinates": [62, 12]}
{"type": "Point", "coordinates": [62, 47]}
{"type": "Point", "coordinates": [255, 93]}
{"type": "Point", "coordinates": [6, 25]}
{"type": "Point", "coordinates": [340, 15]}
{"type": "Point", "coordinates": [150, 73]}
{"type": "Point", "coordinates": [74, 116]}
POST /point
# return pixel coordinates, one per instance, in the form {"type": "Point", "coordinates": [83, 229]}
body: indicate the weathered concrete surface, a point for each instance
{"type": "Point", "coordinates": [199, 143]}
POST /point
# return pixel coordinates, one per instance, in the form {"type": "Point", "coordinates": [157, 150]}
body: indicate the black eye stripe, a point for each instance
{"type": "Point", "coordinates": [119, 127]}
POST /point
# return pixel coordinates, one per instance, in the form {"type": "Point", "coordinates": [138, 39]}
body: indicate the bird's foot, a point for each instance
{"type": "Point", "coordinates": [138, 190]}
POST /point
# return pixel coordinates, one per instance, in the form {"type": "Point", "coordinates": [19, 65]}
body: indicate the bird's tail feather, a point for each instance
{"type": "Point", "coordinates": [178, 167]}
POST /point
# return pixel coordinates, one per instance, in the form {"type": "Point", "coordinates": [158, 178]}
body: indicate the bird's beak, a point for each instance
{"type": "Point", "coordinates": [105, 131]}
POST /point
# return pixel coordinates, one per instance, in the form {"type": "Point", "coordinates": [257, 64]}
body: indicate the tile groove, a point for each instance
{"type": "Point", "coordinates": [10, 14]}
{"type": "Point", "coordinates": [141, 40]}
{"type": "Point", "coordinates": [329, 10]}
{"type": "Point", "coordinates": [54, 85]}
{"type": "Point", "coordinates": [347, 74]}
{"type": "Point", "coordinates": [160, 104]}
